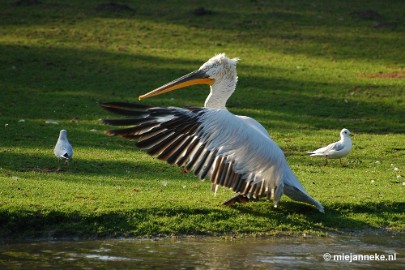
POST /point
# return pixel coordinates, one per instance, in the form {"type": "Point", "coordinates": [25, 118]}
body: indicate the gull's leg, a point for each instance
{"type": "Point", "coordinates": [67, 162]}
{"type": "Point", "coordinates": [58, 169]}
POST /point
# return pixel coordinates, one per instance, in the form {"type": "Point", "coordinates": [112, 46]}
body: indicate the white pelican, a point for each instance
{"type": "Point", "coordinates": [63, 149]}
{"type": "Point", "coordinates": [337, 149]}
{"type": "Point", "coordinates": [233, 151]}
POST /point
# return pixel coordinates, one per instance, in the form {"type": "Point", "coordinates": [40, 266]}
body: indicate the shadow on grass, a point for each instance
{"type": "Point", "coordinates": [24, 225]}
{"type": "Point", "coordinates": [257, 23]}
{"type": "Point", "coordinates": [288, 104]}
{"type": "Point", "coordinates": [335, 219]}
{"type": "Point", "coordinates": [78, 167]}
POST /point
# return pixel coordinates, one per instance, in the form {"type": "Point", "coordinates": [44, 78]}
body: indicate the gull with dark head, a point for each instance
{"type": "Point", "coordinates": [234, 152]}
{"type": "Point", "coordinates": [337, 149]}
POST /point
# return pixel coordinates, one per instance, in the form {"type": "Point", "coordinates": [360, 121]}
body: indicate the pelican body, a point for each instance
{"type": "Point", "coordinates": [336, 150]}
{"type": "Point", "coordinates": [63, 149]}
{"type": "Point", "coordinates": [234, 152]}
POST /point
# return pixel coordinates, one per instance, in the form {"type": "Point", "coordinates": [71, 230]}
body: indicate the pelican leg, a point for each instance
{"type": "Point", "coordinates": [326, 161]}
{"type": "Point", "coordinates": [238, 198]}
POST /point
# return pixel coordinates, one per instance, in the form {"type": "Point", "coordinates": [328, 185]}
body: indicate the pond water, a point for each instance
{"type": "Point", "coordinates": [365, 250]}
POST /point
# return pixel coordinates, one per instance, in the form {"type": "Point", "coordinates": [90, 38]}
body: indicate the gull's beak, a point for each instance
{"type": "Point", "coordinates": [195, 77]}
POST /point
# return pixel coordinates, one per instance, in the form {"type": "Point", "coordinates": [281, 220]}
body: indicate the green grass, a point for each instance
{"type": "Point", "coordinates": [307, 69]}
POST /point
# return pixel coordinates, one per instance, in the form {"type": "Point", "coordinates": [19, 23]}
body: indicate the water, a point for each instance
{"type": "Point", "coordinates": [209, 253]}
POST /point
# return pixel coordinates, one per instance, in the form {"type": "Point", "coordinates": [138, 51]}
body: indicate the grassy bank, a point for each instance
{"type": "Point", "coordinates": [307, 70]}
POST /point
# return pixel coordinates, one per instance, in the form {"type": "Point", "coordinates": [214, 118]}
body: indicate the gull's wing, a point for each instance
{"type": "Point", "coordinates": [337, 146]}
{"type": "Point", "coordinates": [333, 147]}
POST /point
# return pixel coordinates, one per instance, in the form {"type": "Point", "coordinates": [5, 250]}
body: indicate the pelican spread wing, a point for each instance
{"type": "Point", "coordinates": [210, 143]}
{"type": "Point", "coordinates": [213, 144]}
{"type": "Point", "coordinates": [235, 152]}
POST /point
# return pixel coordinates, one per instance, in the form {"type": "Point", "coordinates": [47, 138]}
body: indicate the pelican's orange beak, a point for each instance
{"type": "Point", "coordinates": [195, 77]}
